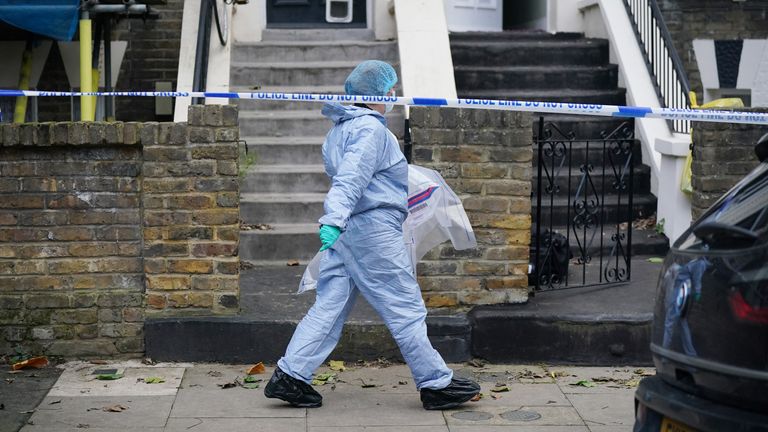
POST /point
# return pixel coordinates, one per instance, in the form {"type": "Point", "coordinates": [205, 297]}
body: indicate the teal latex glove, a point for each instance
{"type": "Point", "coordinates": [328, 236]}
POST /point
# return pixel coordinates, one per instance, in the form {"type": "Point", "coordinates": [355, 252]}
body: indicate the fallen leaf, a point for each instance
{"type": "Point", "coordinates": [148, 361]}
{"type": "Point", "coordinates": [251, 379]}
{"type": "Point", "coordinates": [55, 402]}
{"type": "Point", "coordinates": [98, 362]}
{"type": "Point", "coordinates": [28, 412]}
{"type": "Point", "coordinates": [15, 372]}
{"type": "Point", "coordinates": [109, 377]}
{"type": "Point", "coordinates": [655, 260]}
{"type": "Point", "coordinates": [642, 372]}
{"type": "Point", "coordinates": [323, 378]}
{"type": "Point", "coordinates": [403, 382]}
{"type": "Point", "coordinates": [35, 362]}
{"type": "Point", "coordinates": [114, 408]}
{"type": "Point", "coordinates": [556, 374]}
{"type": "Point", "coordinates": [83, 426]}
{"type": "Point", "coordinates": [584, 383]}
{"type": "Point", "coordinates": [495, 397]}
{"type": "Point", "coordinates": [228, 385]}
{"type": "Point", "coordinates": [215, 374]}
{"type": "Point", "coordinates": [10, 380]}
{"type": "Point", "coordinates": [551, 402]}
{"type": "Point", "coordinates": [256, 369]}
{"type": "Point", "coordinates": [337, 365]}
{"type": "Point", "coordinates": [477, 397]}
{"type": "Point", "coordinates": [632, 383]}
{"type": "Point", "coordinates": [154, 380]}
{"type": "Point", "coordinates": [500, 388]}
{"type": "Point", "coordinates": [292, 263]}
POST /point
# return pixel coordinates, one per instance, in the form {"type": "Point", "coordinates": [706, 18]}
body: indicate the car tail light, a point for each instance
{"type": "Point", "coordinates": [746, 312]}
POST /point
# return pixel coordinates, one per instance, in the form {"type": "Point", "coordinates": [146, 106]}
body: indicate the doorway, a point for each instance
{"type": "Point", "coordinates": [310, 14]}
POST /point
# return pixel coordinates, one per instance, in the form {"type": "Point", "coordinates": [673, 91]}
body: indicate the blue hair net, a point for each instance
{"type": "Point", "coordinates": [371, 78]}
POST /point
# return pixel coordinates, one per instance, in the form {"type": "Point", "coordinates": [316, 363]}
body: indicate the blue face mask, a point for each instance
{"type": "Point", "coordinates": [388, 107]}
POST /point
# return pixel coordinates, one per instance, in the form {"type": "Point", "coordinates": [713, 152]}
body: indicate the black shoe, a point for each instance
{"type": "Point", "coordinates": [297, 393]}
{"type": "Point", "coordinates": [460, 390]}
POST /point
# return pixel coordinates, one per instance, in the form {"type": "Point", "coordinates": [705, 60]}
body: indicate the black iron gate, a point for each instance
{"type": "Point", "coordinates": [582, 232]}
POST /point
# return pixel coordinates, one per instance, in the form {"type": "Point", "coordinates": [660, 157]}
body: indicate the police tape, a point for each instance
{"type": "Point", "coordinates": [675, 114]}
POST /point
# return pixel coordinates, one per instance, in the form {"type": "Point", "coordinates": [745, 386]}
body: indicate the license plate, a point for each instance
{"type": "Point", "coordinates": [669, 425]}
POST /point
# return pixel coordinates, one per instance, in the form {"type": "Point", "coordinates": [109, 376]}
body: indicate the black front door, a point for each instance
{"type": "Point", "coordinates": [309, 14]}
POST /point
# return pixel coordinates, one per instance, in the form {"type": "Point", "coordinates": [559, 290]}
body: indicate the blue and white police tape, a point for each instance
{"type": "Point", "coordinates": [505, 105]}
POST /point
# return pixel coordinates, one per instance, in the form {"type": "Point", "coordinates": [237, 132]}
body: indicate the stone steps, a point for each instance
{"type": "Point", "coordinates": [286, 179]}
{"type": "Point", "coordinates": [560, 212]}
{"type": "Point", "coordinates": [314, 51]}
{"type": "Point", "coordinates": [286, 186]}
{"type": "Point", "coordinates": [284, 242]}
{"type": "Point", "coordinates": [313, 35]}
{"type": "Point", "coordinates": [540, 77]}
{"type": "Point", "coordinates": [601, 96]}
{"type": "Point", "coordinates": [599, 181]}
{"type": "Point", "coordinates": [283, 123]}
{"type": "Point", "coordinates": [583, 127]}
{"type": "Point", "coordinates": [301, 150]}
{"type": "Point", "coordinates": [530, 52]}
{"type": "Point", "coordinates": [277, 73]}
{"type": "Point", "coordinates": [272, 208]}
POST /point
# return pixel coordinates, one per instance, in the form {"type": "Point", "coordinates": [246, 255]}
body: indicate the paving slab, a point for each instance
{"type": "Point", "coordinates": [604, 409]}
{"type": "Point", "coordinates": [605, 379]}
{"type": "Point", "coordinates": [233, 402]}
{"type": "Point", "coordinates": [519, 429]}
{"type": "Point", "coordinates": [202, 424]}
{"type": "Point", "coordinates": [376, 409]}
{"type": "Point", "coordinates": [379, 429]}
{"type": "Point", "coordinates": [504, 416]}
{"type": "Point", "coordinates": [57, 413]}
{"type": "Point", "coordinates": [524, 395]}
{"type": "Point", "coordinates": [79, 381]}
{"type": "Point", "coordinates": [21, 392]}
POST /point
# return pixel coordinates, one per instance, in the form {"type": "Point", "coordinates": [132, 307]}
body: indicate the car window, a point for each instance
{"type": "Point", "coordinates": [745, 206]}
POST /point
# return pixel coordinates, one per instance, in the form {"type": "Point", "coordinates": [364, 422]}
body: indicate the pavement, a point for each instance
{"type": "Point", "coordinates": [373, 396]}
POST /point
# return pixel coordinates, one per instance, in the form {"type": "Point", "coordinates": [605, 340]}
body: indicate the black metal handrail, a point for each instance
{"type": "Point", "coordinates": [664, 64]}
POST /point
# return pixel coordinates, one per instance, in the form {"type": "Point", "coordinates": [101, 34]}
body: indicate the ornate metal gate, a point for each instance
{"type": "Point", "coordinates": [582, 232]}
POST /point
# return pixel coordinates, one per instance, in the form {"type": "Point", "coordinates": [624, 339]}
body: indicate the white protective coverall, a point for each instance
{"type": "Point", "coordinates": [368, 201]}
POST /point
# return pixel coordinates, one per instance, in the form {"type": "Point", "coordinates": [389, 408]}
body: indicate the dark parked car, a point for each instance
{"type": "Point", "coordinates": [710, 330]}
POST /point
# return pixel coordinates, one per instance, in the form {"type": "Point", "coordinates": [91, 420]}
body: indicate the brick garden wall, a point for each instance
{"type": "Point", "coordinates": [711, 19]}
{"type": "Point", "coordinates": [722, 154]}
{"type": "Point", "coordinates": [485, 156]}
{"type": "Point", "coordinates": [102, 224]}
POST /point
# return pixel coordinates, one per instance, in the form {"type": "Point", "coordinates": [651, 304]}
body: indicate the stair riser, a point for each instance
{"type": "Point", "coordinates": [258, 246]}
{"type": "Point", "coordinates": [294, 35]}
{"type": "Point", "coordinates": [300, 127]}
{"type": "Point", "coordinates": [544, 79]}
{"type": "Point", "coordinates": [560, 214]}
{"type": "Point", "coordinates": [277, 76]}
{"type": "Point", "coordinates": [513, 36]}
{"type": "Point", "coordinates": [283, 212]}
{"type": "Point", "coordinates": [280, 154]}
{"type": "Point", "coordinates": [281, 126]}
{"type": "Point", "coordinates": [618, 98]}
{"type": "Point", "coordinates": [641, 182]}
{"type": "Point", "coordinates": [529, 55]}
{"type": "Point", "coordinates": [273, 105]}
{"type": "Point", "coordinates": [337, 52]}
{"type": "Point", "coordinates": [256, 182]}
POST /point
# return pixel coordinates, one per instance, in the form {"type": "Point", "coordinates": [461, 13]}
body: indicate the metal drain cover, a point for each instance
{"type": "Point", "coordinates": [521, 415]}
{"type": "Point", "coordinates": [472, 415]}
